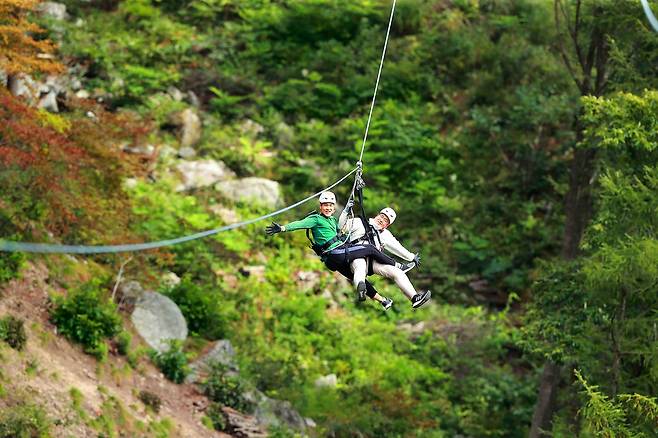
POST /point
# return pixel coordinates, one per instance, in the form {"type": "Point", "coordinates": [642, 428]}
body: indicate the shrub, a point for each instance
{"type": "Point", "coordinates": [151, 400]}
{"type": "Point", "coordinates": [123, 342]}
{"type": "Point", "coordinates": [24, 421]}
{"type": "Point", "coordinates": [202, 310]}
{"type": "Point", "coordinates": [216, 416]}
{"type": "Point", "coordinates": [87, 318]}
{"type": "Point", "coordinates": [221, 387]}
{"type": "Point", "coordinates": [10, 264]}
{"type": "Point", "coordinates": [173, 362]}
{"type": "Point", "coordinates": [12, 331]}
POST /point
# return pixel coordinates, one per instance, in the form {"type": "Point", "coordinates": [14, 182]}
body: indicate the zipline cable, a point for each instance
{"type": "Point", "coordinates": [359, 164]}
{"type": "Point", "coordinates": [379, 73]}
{"type": "Point", "coordinates": [649, 13]}
{"type": "Point", "coordinates": [11, 246]}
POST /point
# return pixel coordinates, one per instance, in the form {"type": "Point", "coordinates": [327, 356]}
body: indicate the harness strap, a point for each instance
{"type": "Point", "coordinates": [317, 248]}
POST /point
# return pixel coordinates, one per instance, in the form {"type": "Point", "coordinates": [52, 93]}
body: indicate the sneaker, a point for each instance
{"type": "Point", "coordinates": [420, 299]}
{"type": "Point", "coordinates": [361, 290]}
{"type": "Point", "coordinates": [406, 267]}
{"type": "Point", "coordinates": [387, 303]}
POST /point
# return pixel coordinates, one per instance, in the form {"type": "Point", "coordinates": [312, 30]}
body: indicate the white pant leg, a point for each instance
{"type": "Point", "coordinates": [359, 268]}
{"type": "Point", "coordinates": [397, 275]}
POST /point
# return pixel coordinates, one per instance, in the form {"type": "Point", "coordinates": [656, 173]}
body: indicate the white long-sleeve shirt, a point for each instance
{"type": "Point", "coordinates": [357, 231]}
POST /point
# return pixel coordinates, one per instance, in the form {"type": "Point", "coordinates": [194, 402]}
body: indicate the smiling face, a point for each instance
{"type": "Point", "coordinates": [382, 222]}
{"type": "Point", "coordinates": [327, 208]}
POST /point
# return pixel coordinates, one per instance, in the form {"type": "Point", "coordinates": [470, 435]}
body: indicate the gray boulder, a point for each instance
{"type": "Point", "coordinates": [308, 279]}
{"type": "Point", "coordinates": [175, 94]}
{"type": "Point", "coordinates": [82, 94]}
{"type": "Point", "coordinates": [158, 319]}
{"type": "Point", "coordinates": [251, 128]}
{"type": "Point", "coordinates": [241, 425]}
{"type": "Point", "coordinates": [328, 381]}
{"type": "Point", "coordinates": [170, 279]}
{"type": "Point", "coordinates": [130, 291]}
{"type": "Point", "coordinates": [189, 124]}
{"type": "Point", "coordinates": [22, 85]}
{"type": "Point", "coordinates": [284, 134]}
{"type": "Point", "coordinates": [222, 352]}
{"type": "Point", "coordinates": [256, 190]}
{"type": "Point", "coordinates": [186, 153]}
{"type": "Point", "coordinates": [53, 10]}
{"type": "Point", "coordinates": [202, 173]}
{"type": "Point", "coordinates": [227, 215]}
{"type": "Point", "coordinates": [271, 412]}
{"type": "Point", "coordinates": [145, 149]}
{"type": "Point", "coordinates": [49, 102]}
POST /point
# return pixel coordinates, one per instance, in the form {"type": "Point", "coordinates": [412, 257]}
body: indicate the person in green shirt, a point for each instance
{"type": "Point", "coordinates": [332, 248]}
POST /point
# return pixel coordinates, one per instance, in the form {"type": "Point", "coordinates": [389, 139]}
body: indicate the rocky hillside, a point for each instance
{"type": "Point", "coordinates": [524, 175]}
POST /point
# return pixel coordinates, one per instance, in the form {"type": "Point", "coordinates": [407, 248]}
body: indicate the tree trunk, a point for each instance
{"type": "Point", "coordinates": [578, 211]}
{"type": "Point", "coordinates": [541, 419]}
{"type": "Point", "coordinates": [578, 205]}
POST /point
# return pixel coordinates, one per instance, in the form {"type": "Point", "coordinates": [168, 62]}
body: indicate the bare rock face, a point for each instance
{"type": "Point", "coordinates": [222, 352]}
{"type": "Point", "coordinates": [203, 173]}
{"type": "Point", "coordinates": [242, 426]}
{"type": "Point", "coordinates": [158, 319]}
{"type": "Point", "coordinates": [272, 412]}
{"type": "Point", "coordinates": [255, 190]}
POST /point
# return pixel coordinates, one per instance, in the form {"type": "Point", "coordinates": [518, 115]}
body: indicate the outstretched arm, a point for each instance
{"type": "Point", "coordinates": [307, 222]}
{"type": "Point", "coordinates": [392, 245]}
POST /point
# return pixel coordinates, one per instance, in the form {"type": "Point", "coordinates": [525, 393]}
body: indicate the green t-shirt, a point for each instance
{"type": "Point", "coordinates": [323, 228]}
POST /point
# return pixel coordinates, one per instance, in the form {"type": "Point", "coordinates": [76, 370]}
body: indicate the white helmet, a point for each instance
{"type": "Point", "coordinates": [327, 197]}
{"type": "Point", "coordinates": [390, 214]}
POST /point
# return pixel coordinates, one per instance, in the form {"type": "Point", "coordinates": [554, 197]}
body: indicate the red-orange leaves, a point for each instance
{"type": "Point", "coordinates": [63, 174]}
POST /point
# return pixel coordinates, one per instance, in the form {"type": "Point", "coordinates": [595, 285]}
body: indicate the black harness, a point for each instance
{"type": "Point", "coordinates": [372, 235]}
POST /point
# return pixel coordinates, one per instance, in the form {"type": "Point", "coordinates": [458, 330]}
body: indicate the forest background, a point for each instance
{"type": "Point", "coordinates": [516, 140]}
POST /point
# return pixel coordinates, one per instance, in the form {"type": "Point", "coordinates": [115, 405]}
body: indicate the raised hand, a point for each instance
{"type": "Point", "coordinates": [271, 230]}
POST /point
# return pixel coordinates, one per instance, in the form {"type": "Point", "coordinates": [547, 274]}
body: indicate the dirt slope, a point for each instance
{"type": "Point", "coordinates": [49, 367]}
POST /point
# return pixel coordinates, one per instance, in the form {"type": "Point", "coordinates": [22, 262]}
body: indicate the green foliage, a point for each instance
{"type": "Point", "coordinates": [624, 120]}
{"type": "Point", "coordinates": [135, 52]}
{"type": "Point", "coordinates": [87, 317]}
{"type": "Point", "coordinates": [627, 415]}
{"type": "Point", "coordinates": [173, 362]}
{"type": "Point", "coordinates": [123, 342]}
{"type": "Point", "coordinates": [556, 324]}
{"type": "Point", "coordinates": [470, 141]}
{"type": "Point", "coordinates": [12, 331]}
{"type": "Point", "coordinates": [151, 400]}
{"type": "Point", "coordinates": [10, 265]}
{"type": "Point", "coordinates": [222, 386]}
{"type": "Point", "coordinates": [203, 309]}
{"type": "Point", "coordinates": [216, 416]}
{"type": "Point", "coordinates": [24, 421]}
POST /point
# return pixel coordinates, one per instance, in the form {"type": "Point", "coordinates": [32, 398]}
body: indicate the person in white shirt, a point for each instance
{"type": "Point", "coordinates": [385, 241]}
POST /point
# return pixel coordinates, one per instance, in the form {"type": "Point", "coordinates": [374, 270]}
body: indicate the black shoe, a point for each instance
{"type": "Point", "coordinates": [387, 303]}
{"type": "Point", "coordinates": [420, 299]}
{"type": "Point", "coordinates": [361, 290]}
{"type": "Point", "coordinates": [406, 267]}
